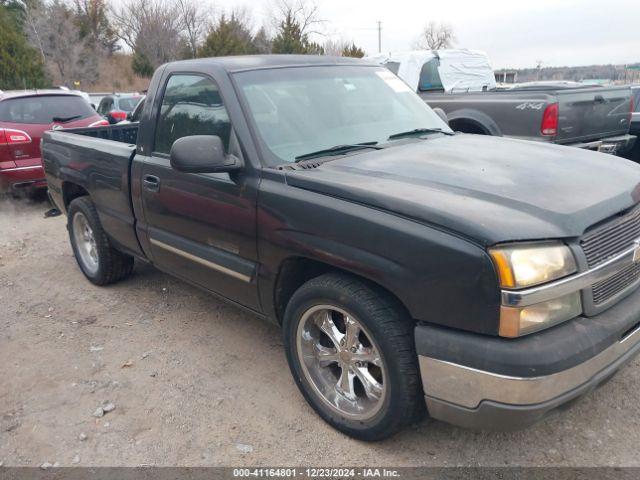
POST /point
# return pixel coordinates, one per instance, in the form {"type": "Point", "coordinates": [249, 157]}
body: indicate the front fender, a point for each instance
{"type": "Point", "coordinates": [439, 277]}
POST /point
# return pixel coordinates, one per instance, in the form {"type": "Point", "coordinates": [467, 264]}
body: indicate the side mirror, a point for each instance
{"type": "Point", "coordinates": [129, 116]}
{"type": "Point", "coordinates": [202, 154]}
{"type": "Point", "coordinates": [441, 114]}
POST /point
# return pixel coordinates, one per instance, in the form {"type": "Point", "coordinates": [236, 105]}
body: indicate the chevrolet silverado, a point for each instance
{"type": "Point", "coordinates": [485, 281]}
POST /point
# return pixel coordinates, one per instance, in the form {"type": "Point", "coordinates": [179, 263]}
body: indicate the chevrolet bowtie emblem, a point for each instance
{"type": "Point", "coordinates": [636, 251]}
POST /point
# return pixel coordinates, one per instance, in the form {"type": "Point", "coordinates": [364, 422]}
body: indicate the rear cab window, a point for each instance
{"type": "Point", "coordinates": [430, 77]}
{"type": "Point", "coordinates": [42, 109]}
{"type": "Point", "coordinates": [191, 105]}
{"type": "Point", "coordinates": [128, 104]}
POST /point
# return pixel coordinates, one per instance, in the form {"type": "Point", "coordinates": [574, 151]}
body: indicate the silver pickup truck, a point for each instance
{"type": "Point", "coordinates": [462, 84]}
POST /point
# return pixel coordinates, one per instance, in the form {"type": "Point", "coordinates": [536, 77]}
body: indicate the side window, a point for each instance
{"type": "Point", "coordinates": [429, 76]}
{"type": "Point", "coordinates": [106, 106]}
{"type": "Point", "coordinates": [100, 109]}
{"type": "Point", "coordinates": [191, 106]}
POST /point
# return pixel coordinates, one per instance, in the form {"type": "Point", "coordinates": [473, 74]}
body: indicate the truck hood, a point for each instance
{"type": "Point", "coordinates": [489, 189]}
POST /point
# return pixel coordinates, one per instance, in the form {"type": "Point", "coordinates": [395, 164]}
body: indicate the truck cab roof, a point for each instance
{"type": "Point", "coordinates": [257, 62]}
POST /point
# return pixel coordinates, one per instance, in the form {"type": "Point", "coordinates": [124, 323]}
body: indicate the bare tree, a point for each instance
{"type": "Point", "coordinates": [69, 58]}
{"type": "Point", "coordinates": [334, 48]}
{"type": "Point", "coordinates": [31, 30]}
{"type": "Point", "coordinates": [436, 36]}
{"type": "Point", "coordinates": [306, 13]}
{"type": "Point", "coordinates": [195, 22]}
{"type": "Point", "coordinates": [153, 29]}
{"type": "Point", "coordinates": [91, 18]}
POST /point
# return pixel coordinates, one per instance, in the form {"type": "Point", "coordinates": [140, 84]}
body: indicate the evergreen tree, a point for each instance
{"type": "Point", "coordinates": [20, 65]}
{"type": "Point", "coordinates": [290, 38]}
{"type": "Point", "coordinates": [141, 65]}
{"type": "Point", "coordinates": [291, 35]}
{"type": "Point", "coordinates": [229, 36]}
{"type": "Point", "coordinates": [262, 42]}
{"type": "Point", "coordinates": [352, 51]}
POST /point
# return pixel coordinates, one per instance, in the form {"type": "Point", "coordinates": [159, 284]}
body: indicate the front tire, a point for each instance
{"type": "Point", "coordinates": [99, 261]}
{"type": "Point", "coordinates": [350, 348]}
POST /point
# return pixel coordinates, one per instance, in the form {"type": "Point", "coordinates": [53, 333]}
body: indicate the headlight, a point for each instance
{"type": "Point", "coordinates": [526, 265]}
{"type": "Point", "coordinates": [517, 321]}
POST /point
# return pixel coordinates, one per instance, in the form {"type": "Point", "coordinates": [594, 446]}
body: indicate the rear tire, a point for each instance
{"type": "Point", "coordinates": [368, 388]}
{"type": "Point", "coordinates": [100, 262]}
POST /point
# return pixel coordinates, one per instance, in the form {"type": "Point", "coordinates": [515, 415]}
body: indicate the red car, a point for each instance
{"type": "Point", "coordinates": [24, 116]}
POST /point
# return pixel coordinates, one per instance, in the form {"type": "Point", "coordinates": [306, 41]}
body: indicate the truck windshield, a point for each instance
{"type": "Point", "coordinates": [300, 110]}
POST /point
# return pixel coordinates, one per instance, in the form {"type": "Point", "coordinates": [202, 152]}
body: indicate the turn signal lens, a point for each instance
{"type": "Point", "coordinates": [525, 265]}
{"type": "Point", "coordinates": [518, 321]}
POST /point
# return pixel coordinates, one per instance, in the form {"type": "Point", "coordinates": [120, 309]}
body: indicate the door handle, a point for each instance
{"type": "Point", "coordinates": [151, 183]}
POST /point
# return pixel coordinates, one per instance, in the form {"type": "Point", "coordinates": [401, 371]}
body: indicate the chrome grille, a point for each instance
{"type": "Point", "coordinates": [612, 238]}
{"type": "Point", "coordinates": [604, 290]}
{"type": "Point", "coordinates": [607, 241]}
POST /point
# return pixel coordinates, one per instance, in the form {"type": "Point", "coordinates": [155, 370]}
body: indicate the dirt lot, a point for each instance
{"type": "Point", "coordinates": [197, 382]}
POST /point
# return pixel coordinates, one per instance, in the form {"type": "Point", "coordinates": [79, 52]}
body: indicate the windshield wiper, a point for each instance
{"type": "Point", "coordinates": [418, 131]}
{"type": "Point", "coordinates": [337, 150]}
{"type": "Point", "coordinates": [65, 119]}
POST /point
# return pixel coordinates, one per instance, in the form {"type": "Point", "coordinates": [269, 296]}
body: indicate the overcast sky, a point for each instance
{"type": "Point", "coordinates": [514, 33]}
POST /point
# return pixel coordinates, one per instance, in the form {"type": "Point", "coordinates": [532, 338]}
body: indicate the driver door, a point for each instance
{"type": "Point", "coordinates": [200, 226]}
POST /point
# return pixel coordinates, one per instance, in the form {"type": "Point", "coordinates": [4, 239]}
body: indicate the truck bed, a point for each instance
{"type": "Point", "coordinates": [123, 133]}
{"type": "Point", "coordinates": [99, 160]}
{"type": "Point", "coordinates": [586, 114]}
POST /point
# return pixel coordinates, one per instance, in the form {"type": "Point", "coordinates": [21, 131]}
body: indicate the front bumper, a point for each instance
{"type": "Point", "coordinates": [613, 145]}
{"type": "Point", "coordinates": [491, 383]}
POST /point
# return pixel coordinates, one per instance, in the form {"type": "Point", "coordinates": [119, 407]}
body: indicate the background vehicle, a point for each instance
{"type": "Point", "coordinates": [634, 129]}
{"type": "Point", "coordinates": [116, 107]}
{"type": "Point", "coordinates": [24, 116]}
{"type": "Point", "coordinates": [462, 83]}
{"type": "Point", "coordinates": [405, 263]}
{"type": "Point", "coordinates": [136, 114]}
{"type": "Point", "coordinates": [84, 95]}
{"type": "Point", "coordinates": [96, 97]}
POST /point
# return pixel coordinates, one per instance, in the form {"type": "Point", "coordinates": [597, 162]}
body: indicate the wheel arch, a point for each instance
{"type": "Point", "coordinates": [472, 121]}
{"type": "Point", "coordinates": [295, 271]}
{"type": "Point", "coordinates": [71, 191]}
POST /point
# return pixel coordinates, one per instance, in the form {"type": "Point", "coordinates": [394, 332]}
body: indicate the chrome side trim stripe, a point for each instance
{"type": "Point", "coordinates": [468, 387]}
{"type": "Point", "coordinates": [549, 291]}
{"type": "Point", "coordinates": [201, 261]}
{"type": "Point", "coordinates": [15, 169]}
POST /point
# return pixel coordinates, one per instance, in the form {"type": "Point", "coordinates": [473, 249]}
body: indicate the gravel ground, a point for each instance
{"type": "Point", "coordinates": [197, 382]}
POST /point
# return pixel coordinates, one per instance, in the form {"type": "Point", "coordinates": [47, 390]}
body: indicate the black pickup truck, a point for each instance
{"type": "Point", "coordinates": [494, 278]}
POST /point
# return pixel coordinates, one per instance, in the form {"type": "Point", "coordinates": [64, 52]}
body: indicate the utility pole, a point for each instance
{"type": "Point", "coordinates": [379, 36]}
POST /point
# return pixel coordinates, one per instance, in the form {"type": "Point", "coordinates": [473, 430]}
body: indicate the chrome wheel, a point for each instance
{"type": "Point", "coordinates": [85, 243]}
{"type": "Point", "coordinates": [341, 361]}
